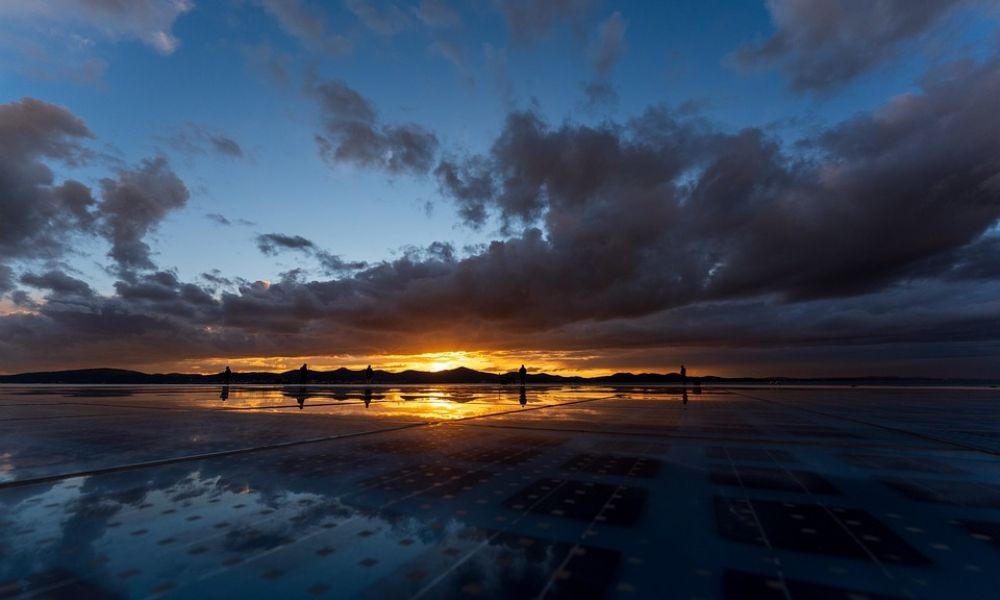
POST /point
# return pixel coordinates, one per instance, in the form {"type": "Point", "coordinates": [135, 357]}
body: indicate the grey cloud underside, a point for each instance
{"type": "Point", "coordinates": [352, 133]}
{"type": "Point", "coordinates": [6, 279]}
{"type": "Point", "coordinates": [133, 205]}
{"type": "Point", "coordinates": [822, 44]}
{"type": "Point", "coordinates": [40, 218]}
{"type": "Point", "coordinates": [272, 244]}
{"type": "Point", "coordinates": [36, 211]}
{"type": "Point", "coordinates": [665, 210]}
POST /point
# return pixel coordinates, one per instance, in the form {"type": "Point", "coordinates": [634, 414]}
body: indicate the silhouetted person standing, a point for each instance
{"type": "Point", "coordinates": [369, 374]}
{"type": "Point", "coordinates": [684, 376]}
{"type": "Point", "coordinates": [227, 376]}
{"type": "Point", "coordinates": [523, 373]}
{"type": "Point", "coordinates": [303, 374]}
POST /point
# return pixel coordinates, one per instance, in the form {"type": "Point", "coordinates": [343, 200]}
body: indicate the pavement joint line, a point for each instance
{"type": "Point", "coordinates": [277, 446]}
{"type": "Point", "coordinates": [681, 436]}
{"type": "Point", "coordinates": [915, 434]}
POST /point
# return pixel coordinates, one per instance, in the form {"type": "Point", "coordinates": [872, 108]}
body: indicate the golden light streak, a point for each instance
{"type": "Point", "coordinates": [585, 363]}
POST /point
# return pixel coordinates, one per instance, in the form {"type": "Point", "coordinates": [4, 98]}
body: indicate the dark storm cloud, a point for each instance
{"type": "Point", "coordinates": [609, 45]}
{"type": "Point", "coordinates": [220, 219]}
{"type": "Point", "coordinates": [6, 279]}
{"type": "Point", "coordinates": [38, 216]}
{"type": "Point", "coordinates": [307, 23]}
{"type": "Point", "coordinates": [825, 43]}
{"type": "Point", "coordinates": [41, 218]}
{"type": "Point", "coordinates": [273, 243]}
{"type": "Point", "coordinates": [352, 133]}
{"type": "Point", "coordinates": [979, 260]}
{"type": "Point", "coordinates": [665, 210]}
{"type": "Point", "coordinates": [133, 205]}
{"type": "Point", "coordinates": [530, 20]}
{"type": "Point", "coordinates": [661, 231]}
{"type": "Point", "coordinates": [333, 264]}
{"type": "Point", "coordinates": [58, 283]}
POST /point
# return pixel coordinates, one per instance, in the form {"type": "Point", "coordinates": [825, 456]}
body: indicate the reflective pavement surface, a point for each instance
{"type": "Point", "coordinates": [480, 491]}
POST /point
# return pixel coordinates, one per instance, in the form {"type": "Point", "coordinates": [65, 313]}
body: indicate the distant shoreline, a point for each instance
{"type": "Point", "coordinates": [463, 375]}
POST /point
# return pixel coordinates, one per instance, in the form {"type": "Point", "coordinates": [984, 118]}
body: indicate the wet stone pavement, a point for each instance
{"type": "Point", "coordinates": [480, 491]}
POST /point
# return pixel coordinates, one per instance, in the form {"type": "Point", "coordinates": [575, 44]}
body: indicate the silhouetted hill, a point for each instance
{"type": "Point", "coordinates": [459, 375]}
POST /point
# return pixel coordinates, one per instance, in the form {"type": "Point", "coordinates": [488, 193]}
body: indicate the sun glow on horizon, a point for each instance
{"type": "Point", "coordinates": [567, 363]}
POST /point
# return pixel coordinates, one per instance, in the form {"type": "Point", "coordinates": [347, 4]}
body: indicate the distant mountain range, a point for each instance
{"type": "Point", "coordinates": [459, 375]}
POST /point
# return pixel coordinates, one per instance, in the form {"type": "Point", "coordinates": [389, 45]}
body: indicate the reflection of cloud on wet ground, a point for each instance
{"type": "Point", "coordinates": [580, 492]}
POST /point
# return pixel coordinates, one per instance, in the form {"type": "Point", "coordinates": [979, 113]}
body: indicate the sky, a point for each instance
{"type": "Point", "coordinates": [750, 188]}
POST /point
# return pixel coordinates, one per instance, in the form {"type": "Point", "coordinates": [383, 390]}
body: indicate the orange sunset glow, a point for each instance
{"type": "Point", "coordinates": [561, 363]}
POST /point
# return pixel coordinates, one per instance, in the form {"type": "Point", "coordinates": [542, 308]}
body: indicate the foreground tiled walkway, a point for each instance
{"type": "Point", "coordinates": [475, 491]}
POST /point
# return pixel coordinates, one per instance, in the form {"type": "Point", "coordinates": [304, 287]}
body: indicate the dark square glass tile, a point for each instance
{"type": "Point", "coordinates": [958, 493]}
{"type": "Point", "coordinates": [900, 463]}
{"type": "Point", "coordinates": [983, 530]}
{"type": "Point", "coordinates": [730, 429]}
{"type": "Point", "coordinates": [432, 480]}
{"type": "Point", "coordinates": [749, 454]}
{"type": "Point", "coordinates": [319, 465]}
{"type": "Point", "coordinates": [734, 520]}
{"type": "Point", "coordinates": [532, 441]}
{"type": "Point", "coordinates": [58, 584]}
{"type": "Point", "coordinates": [506, 565]}
{"type": "Point", "coordinates": [410, 445]}
{"type": "Point", "coordinates": [741, 585]}
{"type": "Point", "coordinates": [616, 505]}
{"type": "Point", "coordinates": [772, 479]}
{"type": "Point", "coordinates": [632, 447]}
{"type": "Point", "coordinates": [504, 455]}
{"type": "Point", "coordinates": [849, 533]}
{"type": "Point", "coordinates": [819, 432]}
{"type": "Point", "coordinates": [612, 464]}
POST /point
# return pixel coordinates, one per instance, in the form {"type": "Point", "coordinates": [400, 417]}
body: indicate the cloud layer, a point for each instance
{"type": "Point", "coordinates": [353, 134]}
{"type": "Point", "coordinates": [662, 230]}
{"type": "Point", "coordinates": [610, 240]}
{"type": "Point", "coordinates": [822, 44]}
